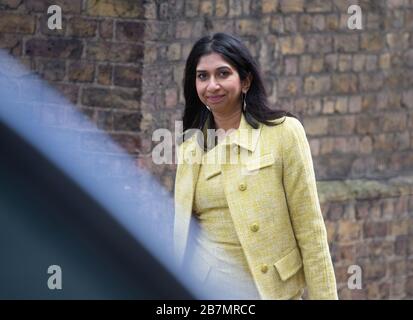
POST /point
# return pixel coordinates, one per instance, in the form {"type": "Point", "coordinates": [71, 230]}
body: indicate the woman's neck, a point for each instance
{"type": "Point", "coordinates": [227, 121]}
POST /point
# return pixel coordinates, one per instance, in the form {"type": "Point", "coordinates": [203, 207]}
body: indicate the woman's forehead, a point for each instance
{"type": "Point", "coordinates": [212, 61]}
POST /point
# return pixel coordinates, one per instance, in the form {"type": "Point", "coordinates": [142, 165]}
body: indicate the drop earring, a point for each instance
{"type": "Point", "coordinates": [208, 107]}
{"type": "Point", "coordinates": [244, 106]}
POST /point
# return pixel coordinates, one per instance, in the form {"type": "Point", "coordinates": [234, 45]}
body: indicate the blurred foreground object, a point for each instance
{"type": "Point", "coordinates": [52, 212]}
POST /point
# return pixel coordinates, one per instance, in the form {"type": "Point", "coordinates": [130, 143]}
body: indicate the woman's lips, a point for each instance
{"type": "Point", "coordinates": [215, 99]}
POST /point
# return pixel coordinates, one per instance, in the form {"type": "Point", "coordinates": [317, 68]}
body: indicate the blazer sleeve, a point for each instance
{"type": "Point", "coordinates": [305, 212]}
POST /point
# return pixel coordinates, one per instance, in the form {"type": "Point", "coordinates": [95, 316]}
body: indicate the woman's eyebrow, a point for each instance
{"type": "Point", "coordinates": [219, 68]}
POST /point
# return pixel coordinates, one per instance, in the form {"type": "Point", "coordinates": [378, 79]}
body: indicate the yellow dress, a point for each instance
{"type": "Point", "coordinates": [216, 241]}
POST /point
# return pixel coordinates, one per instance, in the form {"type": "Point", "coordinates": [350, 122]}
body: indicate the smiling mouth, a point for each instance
{"type": "Point", "coordinates": [215, 98]}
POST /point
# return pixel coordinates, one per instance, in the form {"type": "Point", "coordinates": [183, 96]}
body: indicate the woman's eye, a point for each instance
{"type": "Point", "coordinates": [224, 73]}
{"type": "Point", "coordinates": [201, 76]}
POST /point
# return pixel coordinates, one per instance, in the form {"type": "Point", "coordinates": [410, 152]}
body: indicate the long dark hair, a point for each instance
{"type": "Point", "coordinates": [237, 54]}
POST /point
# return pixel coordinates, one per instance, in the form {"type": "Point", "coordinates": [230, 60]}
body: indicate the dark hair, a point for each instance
{"type": "Point", "coordinates": [237, 54]}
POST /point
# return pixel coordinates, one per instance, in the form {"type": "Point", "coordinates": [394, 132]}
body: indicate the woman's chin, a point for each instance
{"type": "Point", "coordinates": [216, 105]}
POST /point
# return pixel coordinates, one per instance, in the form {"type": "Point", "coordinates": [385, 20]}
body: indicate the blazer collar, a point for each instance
{"type": "Point", "coordinates": [246, 136]}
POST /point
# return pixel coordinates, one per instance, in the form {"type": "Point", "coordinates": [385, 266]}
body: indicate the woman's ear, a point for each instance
{"type": "Point", "coordinates": [246, 83]}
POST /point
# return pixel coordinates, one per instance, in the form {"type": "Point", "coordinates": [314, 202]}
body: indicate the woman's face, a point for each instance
{"type": "Point", "coordinates": [218, 83]}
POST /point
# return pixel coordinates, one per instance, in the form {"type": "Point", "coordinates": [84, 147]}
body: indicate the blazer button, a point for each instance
{"type": "Point", "coordinates": [242, 186]}
{"type": "Point", "coordinates": [193, 152]}
{"type": "Point", "coordinates": [264, 268]}
{"type": "Point", "coordinates": [235, 149]}
{"type": "Point", "coordinates": [254, 227]}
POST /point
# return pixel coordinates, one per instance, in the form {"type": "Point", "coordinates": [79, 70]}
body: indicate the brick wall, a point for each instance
{"type": "Point", "coordinates": [121, 63]}
{"type": "Point", "coordinates": [369, 224]}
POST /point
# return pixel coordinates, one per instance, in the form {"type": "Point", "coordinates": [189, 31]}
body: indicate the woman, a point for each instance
{"type": "Point", "coordinates": [252, 226]}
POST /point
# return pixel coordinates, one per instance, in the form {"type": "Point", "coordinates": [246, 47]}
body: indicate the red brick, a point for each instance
{"type": "Point", "coordinates": [367, 124]}
{"type": "Point", "coordinates": [362, 210]}
{"type": "Point", "coordinates": [53, 70]}
{"type": "Point", "coordinates": [127, 76]}
{"type": "Point", "coordinates": [335, 212]}
{"type": "Point", "coordinates": [341, 274]}
{"type": "Point", "coordinates": [375, 229]}
{"type": "Point", "coordinates": [372, 41]}
{"type": "Point", "coordinates": [81, 71]}
{"type": "Point", "coordinates": [398, 267]}
{"type": "Point", "coordinates": [68, 6]}
{"type": "Point", "coordinates": [129, 142]}
{"type": "Point", "coordinates": [11, 43]}
{"type": "Point", "coordinates": [409, 286]}
{"type": "Point", "coordinates": [171, 97]}
{"type": "Point", "coordinates": [374, 270]}
{"type": "Point", "coordinates": [344, 83]}
{"type": "Point", "coordinates": [369, 104]}
{"type": "Point", "coordinates": [377, 291]}
{"type": "Point", "coordinates": [82, 28]}
{"type": "Point", "coordinates": [127, 121]}
{"type": "Point", "coordinates": [289, 6]}
{"type": "Point", "coordinates": [289, 86]}
{"type": "Point", "coordinates": [346, 43]}
{"type": "Point", "coordinates": [371, 82]}
{"type": "Point", "coordinates": [104, 74]}
{"type": "Point", "coordinates": [401, 245]}
{"type": "Point", "coordinates": [17, 23]}
{"type": "Point", "coordinates": [318, 43]}
{"type": "Point", "coordinates": [341, 124]}
{"type": "Point", "coordinates": [111, 98]}
{"type": "Point", "coordinates": [366, 145]}
{"type": "Point", "coordinates": [379, 248]}
{"type": "Point", "coordinates": [10, 4]}
{"type": "Point", "coordinates": [117, 8]}
{"type": "Point", "coordinates": [114, 52]}
{"type": "Point", "coordinates": [70, 91]}
{"type": "Point", "coordinates": [316, 125]}
{"type": "Point", "coordinates": [317, 85]}
{"type": "Point", "coordinates": [398, 288]}
{"type": "Point", "coordinates": [318, 6]}
{"type": "Point", "coordinates": [349, 230]}
{"type": "Point", "coordinates": [106, 29]}
{"type": "Point", "coordinates": [344, 253]}
{"type": "Point", "coordinates": [104, 120]}
{"type": "Point", "coordinates": [130, 31]}
{"type": "Point", "coordinates": [393, 122]}
{"type": "Point", "coordinates": [54, 48]}
{"type": "Point", "coordinates": [401, 206]}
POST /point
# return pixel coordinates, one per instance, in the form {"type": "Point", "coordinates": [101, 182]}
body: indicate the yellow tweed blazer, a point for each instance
{"type": "Point", "coordinates": [273, 200]}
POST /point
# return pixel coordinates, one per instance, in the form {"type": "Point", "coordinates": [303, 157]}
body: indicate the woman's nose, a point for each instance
{"type": "Point", "coordinates": [213, 84]}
